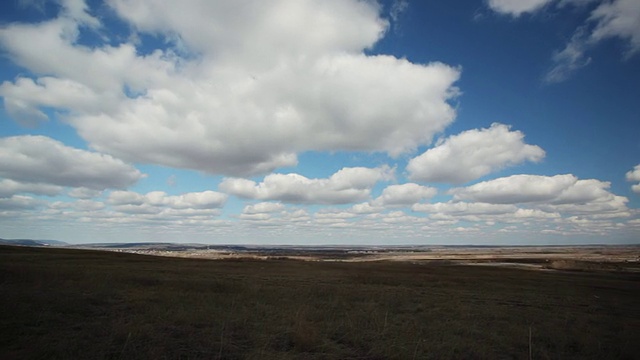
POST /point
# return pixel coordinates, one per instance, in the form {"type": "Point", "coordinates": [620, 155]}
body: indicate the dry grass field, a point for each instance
{"type": "Point", "coordinates": [80, 304]}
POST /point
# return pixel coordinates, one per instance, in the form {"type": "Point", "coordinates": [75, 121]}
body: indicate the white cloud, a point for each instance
{"type": "Point", "coordinates": [577, 3]}
{"type": "Point", "coordinates": [142, 209]}
{"type": "Point", "coordinates": [256, 28]}
{"type": "Point", "coordinates": [255, 216]}
{"type": "Point", "coordinates": [126, 198]}
{"type": "Point", "coordinates": [333, 218]}
{"type": "Point", "coordinates": [366, 208]}
{"type": "Point", "coordinates": [610, 19]}
{"type": "Point", "coordinates": [9, 188]}
{"type": "Point", "coordinates": [484, 212]}
{"type": "Point", "coordinates": [173, 211]}
{"type": "Point", "coordinates": [84, 193]}
{"type": "Point", "coordinates": [79, 205]}
{"type": "Point", "coordinates": [634, 176]}
{"type": "Point", "coordinates": [88, 205]}
{"type": "Point", "coordinates": [345, 186]}
{"type": "Point", "coordinates": [465, 208]}
{"type": "Point", "coordinates": [489, 214]}
{"type": "Point", "coordinates": [297, 215]}
{"type": "Point", "coordinates": [69, 73]}
{"type": "Point", "coordinates": [473, 154]}
{"type": "Point", "coordinates": [561, 193]}
{"type": "Point", "coordinates": [186, 216]}
{"type": "Point", "coordinates": [399, 217]}
{"type": "Point", "coordinates": [79, 11]}
{"type": "Point", "coordinates": [263, 208]}
{"type": "Point", "coordinates": [618, 18]}
{"type": "Point", "coordinates": [23, 97]}
{"type": "Point", "coordinates": [608, 205]}
{"type": "Point", "coordinates": [76, 10]}
{"type": "Point", "coordinates": [404, 194]}
{"type": "Point", "coordinates": [570, 59]}
{"type": "Point", "coordinates": [19, 202]}
{"type": "Point", "coordinates": [517, 7]}
{"type": "Point", "coordinates": [42, 160]}
{"type": "Point", "coordinates": [584, 191]}
{"type": "Point", "coordinates": [516, 189]}
{"type": "Point", "coordinates": [193, 200]}
{"type": "Point", "coordinates": [261, 83]}
{"type": "Point", "coordinates": [272, 214]}
{"type": "Point", "coordinates": [398, 7]}
{"type": "Point", "coordinates": [536, 214]}
{"type": "Point", "coordinates": [22, 111]}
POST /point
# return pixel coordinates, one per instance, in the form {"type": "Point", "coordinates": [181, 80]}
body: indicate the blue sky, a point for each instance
{"type": "Point", "coordinates": [321, 122]}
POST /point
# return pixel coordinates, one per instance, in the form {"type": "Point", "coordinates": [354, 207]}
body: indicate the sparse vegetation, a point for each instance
{"type": "Point", "coordinates": [62, 304]}
{"type": "Point", "coordinates": [578, 265]}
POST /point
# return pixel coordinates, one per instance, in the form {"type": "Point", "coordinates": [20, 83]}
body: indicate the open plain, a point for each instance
{"type": "Point", "coordinates": [60, 303]}
{"type": "Point", "coordinates": [594, 257]}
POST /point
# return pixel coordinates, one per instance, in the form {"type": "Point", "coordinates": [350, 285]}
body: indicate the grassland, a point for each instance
{"type": "Point", "coordinates": [63, 304]}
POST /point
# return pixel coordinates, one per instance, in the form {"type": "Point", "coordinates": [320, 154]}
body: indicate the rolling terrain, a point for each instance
{"type": "Point", "coordinates": [68, 303]}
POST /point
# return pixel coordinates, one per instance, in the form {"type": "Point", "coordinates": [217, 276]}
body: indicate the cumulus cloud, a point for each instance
{"type": "Point", "coordinates": [606, 206]}
{"type": "Point", "coordinates": [79, 205]}
{"type": "Point", "coordinates": [465, 208]}
{"type": "Point", "coordinates": [9, 188]}
{"type": "Point", "coordinates": [521, 199]}
{"type": "Point", "coordinates": [366, 208]}
{"type": "Point", "coordinates": [242, 90]}
{"type": "Point", "coordinates": [126, 198]}
{"type": "Point", "coordinates": [193, 200]}
{"type": "Point", "coordinates": [19, 202]}
{"type": "Point", "coordinates": [150, 212]}
{"type": "Point", "coordinates": [84, 193]}
{"type": "Point", "coordinates": [560, 193]}
{"type": "Point", "coordinates": [516, 189]}
{"type": "Point", "coordinates": [473, 154]}
{"type": "Point", "coordinates": [634, 176]}
{"type": "Point", "coordinates": [517, 7]}
{"type": "Point", "coordinates": [584, 191]}
{"type": "Point", "coordinates": [79, 11]}
{"type": "Point", "coordinates": [42, 160]}
{"type": "Point", "coordinates": [263, 208]}
{"type": "Point", "coordinates": [483, 212]}
{"type": "Point", "coordinates": [88, 205]}
{"type": "Point", "coordinates": [273, 214]}
{"type": "Point", "coordinates": [255, 216]}
{"type": "Point", "coordinates": [398, 217]}
{"type": "Point", "coordinates": [404, 194]}
{"type": "Point", "coordinates": [345, 186]}
{"type": "Point", "coordinates": [194, 208]}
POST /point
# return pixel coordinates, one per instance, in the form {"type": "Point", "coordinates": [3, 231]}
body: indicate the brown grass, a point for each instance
{"type": "Point", "coordinates": [63, 304]}
{"type": "Point", "coordinates": [580, 265]}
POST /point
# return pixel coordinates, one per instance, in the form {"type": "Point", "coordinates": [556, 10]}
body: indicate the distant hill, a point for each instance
{"type": "Point", "coordinates": [126, 245]}
{"type": "Point", "coordinates": [31, 242]}
{"type": "Point", "coordinates": [143, 245]}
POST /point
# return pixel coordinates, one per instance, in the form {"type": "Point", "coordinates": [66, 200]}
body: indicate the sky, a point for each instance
{"type": "Point", "coordinates": [485, 122]}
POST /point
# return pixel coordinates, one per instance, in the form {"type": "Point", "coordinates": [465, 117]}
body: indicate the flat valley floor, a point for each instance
{"type": "Point", "coordinates": [86, 304]}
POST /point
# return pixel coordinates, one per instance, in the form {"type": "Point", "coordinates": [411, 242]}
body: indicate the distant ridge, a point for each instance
{"type": "Point", "coordinates": [31, 242]}
{"type": "Point", "coordinates": [170, 246]}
